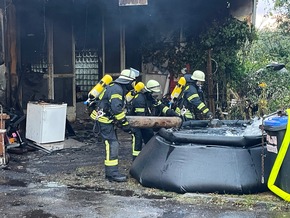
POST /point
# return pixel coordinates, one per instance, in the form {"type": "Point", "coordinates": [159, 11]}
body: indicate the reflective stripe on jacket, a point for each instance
{"type": "Point", "coordinates": [112, 103]}
{"type": "Point", "coordinates": [191, 97]}
{"type": "Point", "coordinates": [144, 104]}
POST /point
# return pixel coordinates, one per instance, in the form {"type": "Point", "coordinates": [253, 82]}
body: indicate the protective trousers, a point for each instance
{"type": "Point", "coordinates": [141, 135]}
{"type": "Point", "coordinates": [109, 136]}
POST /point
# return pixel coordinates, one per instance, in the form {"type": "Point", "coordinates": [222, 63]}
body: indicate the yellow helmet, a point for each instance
{"type": "Point", "coordinates": [198, 75]}
{"type": "Point", "coordinates": [153, 86]}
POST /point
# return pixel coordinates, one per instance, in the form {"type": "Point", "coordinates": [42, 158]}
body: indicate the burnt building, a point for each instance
{"type": "Point", "coordinates": [59, 49]}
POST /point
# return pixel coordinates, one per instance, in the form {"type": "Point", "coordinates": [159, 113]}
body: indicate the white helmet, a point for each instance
{"type": "Point", "coordinates": [153, 86]}
{"type": "Point", "coordinates": [127, 74]}
{"type": "Point", "coordinates": [198, 75]}
{"type": "Point", "coordinates": [126, 77]}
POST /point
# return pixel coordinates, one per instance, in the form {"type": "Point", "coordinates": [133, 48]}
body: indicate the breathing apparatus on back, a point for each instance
{"type": "Point", "coordinates": [93, 96]}
{"type": "Point", "coordinates": [131, 94]}
{"type": "Point", "coordinates": [98, 89]}
{"type": "Point", "coordinates": [178, 89]}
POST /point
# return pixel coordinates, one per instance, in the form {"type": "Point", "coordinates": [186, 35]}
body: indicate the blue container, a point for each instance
{"type": "Point", "coordinates": [276, 121]}
{"type": "Point", "coordinates": [275, 128]}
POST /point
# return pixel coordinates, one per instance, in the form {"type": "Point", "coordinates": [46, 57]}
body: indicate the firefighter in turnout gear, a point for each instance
{"type": "Point", "coordinates": [192, 99]}
{"type": "Point", "coordinates": [146, 104]}
{"type": "Point", "coordinates": [112, 105]}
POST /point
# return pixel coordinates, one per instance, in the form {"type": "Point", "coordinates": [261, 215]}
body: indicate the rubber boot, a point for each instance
{"type": "Point", "coordinates": [113, 174]}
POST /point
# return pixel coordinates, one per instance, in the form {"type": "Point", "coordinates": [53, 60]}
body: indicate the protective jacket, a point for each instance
{"type": "Point", "coordinates": [192, 98]}
{"type": "Point", "coordinates": [112, 104]}
{"type": "Point", "coordinates": [145, 105]}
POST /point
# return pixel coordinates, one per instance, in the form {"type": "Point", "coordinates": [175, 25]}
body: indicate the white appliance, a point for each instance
{"type": "Point", "coordinates": [45, 122]}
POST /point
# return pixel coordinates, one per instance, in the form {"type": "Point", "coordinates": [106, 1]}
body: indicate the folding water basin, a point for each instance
{"type": "Point", "coordinates": [191, 161]}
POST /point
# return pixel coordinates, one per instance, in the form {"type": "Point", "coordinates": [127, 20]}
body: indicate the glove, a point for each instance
{"type": "Point", "coordinates": [171, 112]}
{"type": "Point", "coordinates": [209, 115]}
{"type": "Point", "coordinates": [127, 128]}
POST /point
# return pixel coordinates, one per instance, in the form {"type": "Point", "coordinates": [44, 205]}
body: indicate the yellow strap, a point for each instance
{"type": "Point", "coordinates": [101, 95]}
{"type": "Point", "coordinates": [278, 163]}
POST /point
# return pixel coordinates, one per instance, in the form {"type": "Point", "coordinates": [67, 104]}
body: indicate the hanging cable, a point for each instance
{"type": "Point", "coordinates": [216, 65]}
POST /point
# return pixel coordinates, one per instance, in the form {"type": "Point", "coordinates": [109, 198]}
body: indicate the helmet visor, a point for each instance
{"type": "Point", "coordinates": [136, 72]}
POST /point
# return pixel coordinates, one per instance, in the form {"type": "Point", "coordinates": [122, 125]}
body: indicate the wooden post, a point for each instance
{"type": "Point", "coordinates": [122, 46]}
{"type": "Point", "coordinates": [211, 104]}
{"type": "Point", "coordinates": [12, 54]}
{"type": "Point", "coordinates": [103, 46]}
{"type": "Point", "coordinates": [50, 79]}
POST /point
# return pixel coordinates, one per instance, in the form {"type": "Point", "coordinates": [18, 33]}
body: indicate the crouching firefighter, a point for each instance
{"type": "Point", "coordinates": [111, 106]}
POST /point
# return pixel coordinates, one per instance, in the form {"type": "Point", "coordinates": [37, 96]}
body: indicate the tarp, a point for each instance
{"type": "Point", "coordinates": [199, 167]}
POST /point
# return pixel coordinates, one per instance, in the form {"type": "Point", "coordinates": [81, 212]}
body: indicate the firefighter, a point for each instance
{"type": "Point", "coordinates": [146, 103]}
{"type": "Point", "coordinates": [192, 97]}
{"type": "Point", "coordinates": [112, 106]}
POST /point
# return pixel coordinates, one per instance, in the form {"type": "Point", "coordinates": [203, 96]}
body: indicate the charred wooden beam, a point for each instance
{"type": "Point", "coordinates": [11, 56]}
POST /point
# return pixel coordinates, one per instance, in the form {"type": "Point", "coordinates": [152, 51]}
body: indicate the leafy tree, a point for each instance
{"type": "Point", "coordinates": [283, 19]}
{"type": "Point", "coordinates": [272, 45]}
{"type": "Point", "coordinates": [227, 37]}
